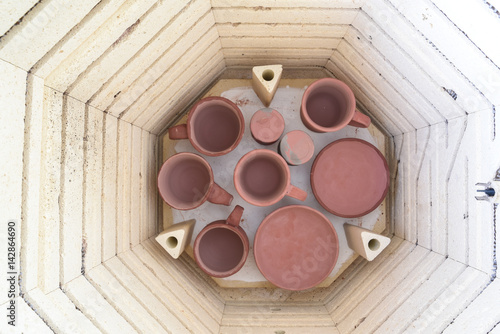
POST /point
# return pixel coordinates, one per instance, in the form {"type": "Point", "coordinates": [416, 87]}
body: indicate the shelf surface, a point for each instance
{"type": "Point", "coordinates": [287, 102]}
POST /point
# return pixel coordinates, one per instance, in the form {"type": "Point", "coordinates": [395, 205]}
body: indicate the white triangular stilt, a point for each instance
{"type": "Point", "coordinates": [175, 238]}
{"type": "Point", "coordinates": [366, 243]}
{"type": "Point", "coordinates": [265, 81]}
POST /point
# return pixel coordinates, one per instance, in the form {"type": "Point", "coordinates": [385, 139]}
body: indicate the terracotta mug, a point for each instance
{"type": "Point", "coordinates": [214, 126]}
{"type": "Point", "coordinates": [262, 178]}
{"type": "Point", "coordinates": [329, 105]}
{"type": "Point", "coordinates": [186, 181]}
{"type": "Point", "coordinates": [221, 248]}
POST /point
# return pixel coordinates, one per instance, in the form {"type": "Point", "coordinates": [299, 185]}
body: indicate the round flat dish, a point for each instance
{"type": "Point", "coordinates": [296, 147]}
{"type": "Point", "coordinates": [350, 178]}
{"type": "Point", "coordinates": [267, 126]}
{"type": "Point", "coordinates": [296, 247]}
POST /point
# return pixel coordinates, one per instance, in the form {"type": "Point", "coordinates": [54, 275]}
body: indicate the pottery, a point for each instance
{"type": "Point", "coordinates": [296, 247]}
{"type": "Point", "coordinates": [265, 82]}
{"type": "Point", "coordinates": [296, 147]}
{"type": "Point", "coordinates": [366, 243]}
{"type": "Point", "coordinates": [176, 238]}
{"type": "Point", "coordinates": [350, 177]}
{"type": "Point", "coordinates": [329, 105]}
{"type": "Point", "coordinates": [186, 181]}
{"type": "Point", "coordinates": [267, 126]}
{"type": "Point", "coordinates": [262, 178]}
{"type": "Point", "coordinates": [221, 248]}
{"type": "Point", "coordinates": [215, 126]}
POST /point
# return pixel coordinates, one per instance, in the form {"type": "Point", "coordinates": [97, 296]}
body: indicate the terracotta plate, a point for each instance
{"type": "Point", "coordinates": [296, 147]}
{"type": "Point", "coordinates": [296, 247]}
{"type": "Point", "coordinates": [267, 126]}
{"type": "Point", "coordinates": [350, 177]}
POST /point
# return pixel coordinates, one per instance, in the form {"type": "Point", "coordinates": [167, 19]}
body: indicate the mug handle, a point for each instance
{"type": "Point", "coordinates": [219, 196]}
{"type": "Point", "coordinates": [297, 193]}
{"type": "Point", "coordinates": [178, 132]}
{"type": "Point", "coordinates": [360, 120]}
{"type": "Point", "coordinates": [235, 216]}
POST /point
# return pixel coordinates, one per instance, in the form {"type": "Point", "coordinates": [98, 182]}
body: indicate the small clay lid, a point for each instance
{"type": "Point", "coordinates": [350, 177]}
{"type": "Point", "coordinates": [296, 247]}
{"type": "Point", "coordinates": [296, 147]}
{"type": "Point", "coordinates": [267, 126]}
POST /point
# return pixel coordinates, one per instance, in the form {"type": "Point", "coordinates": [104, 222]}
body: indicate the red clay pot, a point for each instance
{"type": "Point", "coordinates": [296, 247]}
{"type": "Point", "coordinates": [186, 181]}
{"type": "Point", "coordinates": [221, 248]}
{"type": "Point", "coordinates": [267, 126]}
{"type": "Point", "coordinates": [350, 178]}
{"type": "Point", "coordinates": [296, 147]}
{"type": "Point", "coordinates": [329, 105]}
{"type": "Point", "coordinates": [214, 126]}
{"type": "Point", "coordinates": [262, 178]}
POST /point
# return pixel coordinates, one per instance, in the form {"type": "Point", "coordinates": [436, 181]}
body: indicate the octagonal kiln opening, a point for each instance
{"type": "Point", "coordinates": [90, 86]}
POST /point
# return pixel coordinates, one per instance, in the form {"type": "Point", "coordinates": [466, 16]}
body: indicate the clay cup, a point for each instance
{"type": "Point", "coordinates": [262, 178]}
{"type": "Point", "coordinates": [186, 181]}
{"type": "Point", "coordinates": [215, 126]}
{"type": "Point", "coordinates": [329, 105]}
{"type": "Point", "coordinates": [221, 248]}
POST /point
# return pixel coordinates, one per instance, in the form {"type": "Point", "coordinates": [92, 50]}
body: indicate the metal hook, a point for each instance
{"type": "Point", "coordinates": [488, 191]}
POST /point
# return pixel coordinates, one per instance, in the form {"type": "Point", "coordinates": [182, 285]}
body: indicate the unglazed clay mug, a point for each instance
{"type": "Point", "coordinates": [215, 126]}
{"type": "Point", "coordinates": [186, 181]}
{"type": "Point", "coordinates": [329, 105]}
{"type": "Point", "coordinates": [221, 248]}
{"type": "Point", "coordinates": [262, 178]}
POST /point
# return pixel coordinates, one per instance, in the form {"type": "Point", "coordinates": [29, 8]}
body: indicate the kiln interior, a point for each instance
{"type": "Point", "coordinates": [89, 87]}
